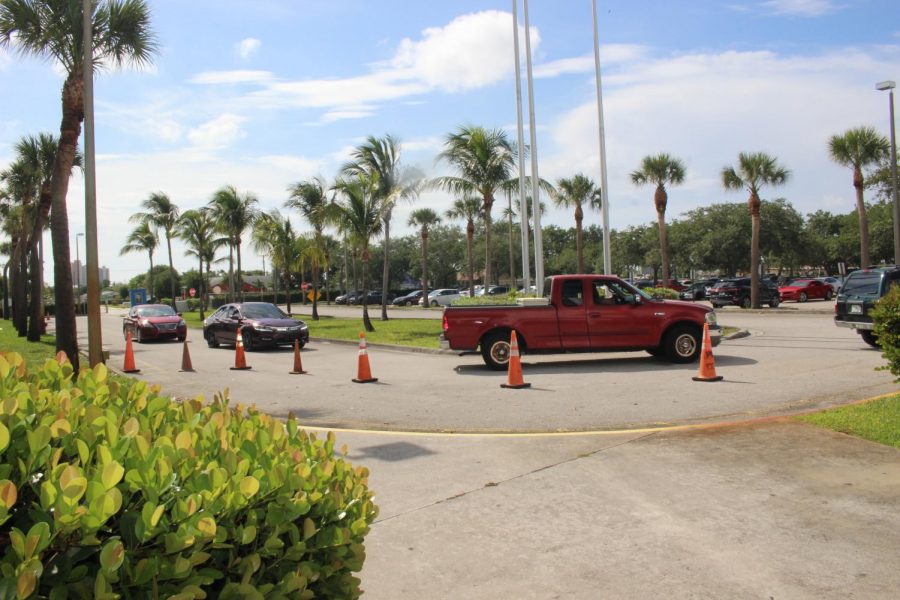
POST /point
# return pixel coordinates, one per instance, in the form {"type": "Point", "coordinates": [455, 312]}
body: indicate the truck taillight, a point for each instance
{"type": "Point", "coordinates": [445, 324]}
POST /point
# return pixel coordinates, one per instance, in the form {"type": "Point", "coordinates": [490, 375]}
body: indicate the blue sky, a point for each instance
{"type": "Point", "coordinates": [263, 94]}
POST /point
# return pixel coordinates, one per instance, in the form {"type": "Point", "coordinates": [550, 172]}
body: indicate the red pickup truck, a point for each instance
{"type": "Point", "coordinates": [584, 313]}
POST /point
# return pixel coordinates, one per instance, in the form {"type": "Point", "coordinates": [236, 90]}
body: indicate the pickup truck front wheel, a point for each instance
{"type": "Point", "coordinates": [495, 351]}
{"type": "Point", "coordinates": [682, 344]}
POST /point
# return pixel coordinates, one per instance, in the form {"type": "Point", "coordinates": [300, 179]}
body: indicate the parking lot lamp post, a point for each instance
{"type": "Point", "coordinates": [890, 85]}
{"type": "Point", "coordinates": [78, 273]}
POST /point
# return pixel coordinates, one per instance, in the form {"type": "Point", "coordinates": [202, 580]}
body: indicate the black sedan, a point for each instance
{"type": "Point", "coordinates": [261, 324]}
{"type": "Point", "coordinates": [410, 299]}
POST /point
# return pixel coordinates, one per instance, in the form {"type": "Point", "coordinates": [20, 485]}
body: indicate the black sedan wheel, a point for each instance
{"type": "Point", "coordinates": [211, 340]}
{"type": "Point", "coordinates": [249, 343]}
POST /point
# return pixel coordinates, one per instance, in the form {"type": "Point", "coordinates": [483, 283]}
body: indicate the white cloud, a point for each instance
{"type": "Point", "coordinates": [232, 77]}
{"type": "Point", "coordinates": [611, 54]}
{"type": "Point", "coordinates": [705, 108]}
{"type": "Point", "coordinates": [801, 8]}
{"type": "Point", "coordinates": [246, 48]}
{"type": "Point", "coordinates": [220, 132]}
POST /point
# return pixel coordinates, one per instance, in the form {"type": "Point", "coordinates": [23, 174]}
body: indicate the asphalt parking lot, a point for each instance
{"type": "Point", "coordinates": [765, 507]}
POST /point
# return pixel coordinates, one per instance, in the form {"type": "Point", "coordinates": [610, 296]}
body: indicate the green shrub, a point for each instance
{"type": "Point", "coordinates": [886, 326]}
{"type": "Point", "coordinates": [109, 490]}
{"type": "Point", "coordinates": [505, 300]}
{"type": "Point", "coordinates": [193, 304]}
{"type": "Point", "coordinates": [662, 292]}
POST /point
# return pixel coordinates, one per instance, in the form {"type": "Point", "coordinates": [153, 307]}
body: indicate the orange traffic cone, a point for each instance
{"type": "Point", "coordinates": [298, 366]}
{"type": "Point", "coordinates": [129, 356]}
{"type": "Point", "coordinates": [363, 372]}
{"type": "Point", "coordinates": [186, 366]}
{"type": "Point", "coordinates": [514, 376]}
{"type": "Point", "coordinates": [707, 363]}
{"type": "Point", "coordinates": [240, 362]}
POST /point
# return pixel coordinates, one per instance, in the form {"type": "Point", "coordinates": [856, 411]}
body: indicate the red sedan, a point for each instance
{"type": "Point", "coordinates": [154, 322]}
{"type": "Point", "coordinates": [802, 290]}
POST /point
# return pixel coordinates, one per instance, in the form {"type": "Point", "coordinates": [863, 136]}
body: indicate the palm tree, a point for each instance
{"type": "Point", "coordinates": [234, 213]}
{"type": "Point", "coordinates": [198, 231]}
{"type": "Point", "coordinates": [54, 29]}
{"type": "Point", "coordinates": [857, 149]}
{"type": "Point", "coordinates": [468, 208]}
{"type": "Point", "coordinates": [39, 153]}
{"type": "Point", "coordinates": [161, 213]}
{"type": "Point", "coordinates": [379, 158]}
{"type": "Point", "coordinates": [21, 182]}
{"type": "Point", "coordinates": [360, 215]}
{"type": "Point", "coordinates": [274, 235]}
{"type": "Point", "coordinates": [484, 161]}
{"type": "Point", "coordinates": [311, 199]}
{"type": "Point", "coordinates": [754, 170]}
{"type": "Point", "coordinates": [660, 170]}
{"type": "Point", "coordinates": [576, 192]}
{"type": "Point", "coordinates": [142, 239]}
{"type": "Point", "coordinates": [423, 218]}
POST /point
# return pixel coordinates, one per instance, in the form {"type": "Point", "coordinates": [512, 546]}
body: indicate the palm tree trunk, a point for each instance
{"type": "Point", "coordinates": [287, 287]}
{"type": "Point", "coordinates": [231, 271]}
{"type": "Point", "coordinates": [5, 290]}
{"type": "Point", "coordinates": [69, 131]}
{"type": "Point", "coordinates": [202, 289]}
{"type": "Point", "coordinates": [367, 323]}
{"type": "Point", "coordinates": [488, 225]}
{"type": "Point", "coordinates": [36, 307]}
{"type": "Point", "coordinates": [425, 269]}
{"type": "Point", "coordinates": [315, 278]}
{"type": "Point", "coordinates": [20, 289]}
{"type": "Point", "coordinates": [240, 278]}
{"type": "Point", "coordinates": [754, 251]}
{"type": "Point", "coordinates": [864, 257]}
{"type": "Point", "coordinates": [150, 293]}
{"type": "Point", "coordinates": [171, 267]}
{"type": "Point", "coordinates": [385, 275]}
{"type": "Point", "coordinates": [470, 237]}
{"type": "Point", "coordinates": [663, 245]}
{"type": "Point", "coordinates": [579, 239]}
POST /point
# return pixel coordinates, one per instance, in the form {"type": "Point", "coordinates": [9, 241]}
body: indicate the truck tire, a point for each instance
{"type": "Point", "coordinates": [495, 350]}
{"type": "Point", "coordinates": [869, 338]}
{"type": "Point", "coordinates": [682, 344]}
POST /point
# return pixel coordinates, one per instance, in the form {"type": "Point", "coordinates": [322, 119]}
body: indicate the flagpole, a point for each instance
{"type": "Point", "coordinates": [523, 201]}
{"type": "Point", "coordinates": [604, 192]}
{"type": "Point", "coordinates": [535, 191]}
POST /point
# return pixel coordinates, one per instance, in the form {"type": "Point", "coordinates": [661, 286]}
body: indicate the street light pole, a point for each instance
{"type": "Point", "coordinates": [78, 273]}
{"type": "Point", "coordinates": [95, 342]}
{"type": "Point", "coordinates": [890, 85]}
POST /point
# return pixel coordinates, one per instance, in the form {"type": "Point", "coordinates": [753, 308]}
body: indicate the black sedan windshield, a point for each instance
{"type": "Point", "coordinates": [262, 311]}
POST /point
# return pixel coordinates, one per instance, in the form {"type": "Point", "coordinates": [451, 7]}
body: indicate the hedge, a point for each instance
{"type": "Point", "coordinates": [886, 327]}
{"type": "Point", "coordinates": [110, 490]}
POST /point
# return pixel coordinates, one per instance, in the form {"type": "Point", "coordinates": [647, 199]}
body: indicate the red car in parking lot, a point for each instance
{"type": "Point", "coordinates": [154, 322]}
{"type": "Point", "coordinates": [802, 290]}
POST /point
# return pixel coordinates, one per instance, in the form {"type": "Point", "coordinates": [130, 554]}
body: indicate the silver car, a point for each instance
{"type": "Point", "coordinates": [442, 297]}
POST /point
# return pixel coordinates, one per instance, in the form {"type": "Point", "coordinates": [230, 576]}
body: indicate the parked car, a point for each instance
{"type": "Point", "coordinates": [861, 290]}
{"type": "Point", "coordinates": [834, 282]}
{"type": "Point", "coordinates": [345, 298]}
{"type": "Point", "coordinates": [154, 322]}
{"type": "Point", "coordinates": [672, 284]}
{"type": "Point", "coordinates": [802, 290]}
{"type": "Point", "coordinates": [442, 297]}
{"type": "Point", "coordinates": [409, 299]}
{"type": "Point", "coordinates": [695, 291]}
{"type": "Point", "coordinates": [372, 298]}
{"type": "Point", "coordinates": [261, 324]}
{"type": "Point", "coordinates": [737, 292]}
{"type": "Point", "coordinates": [497, 290]}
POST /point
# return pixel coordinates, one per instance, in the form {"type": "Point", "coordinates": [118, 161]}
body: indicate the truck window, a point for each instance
{"type": "Point", "coordinates": [572, 292]}
{"type": "Point", "coordinates": [610, 292]}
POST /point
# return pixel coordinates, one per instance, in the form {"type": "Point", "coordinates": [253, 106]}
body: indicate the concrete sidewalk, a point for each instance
{"type": "Point", "coordinates": [777, 509]}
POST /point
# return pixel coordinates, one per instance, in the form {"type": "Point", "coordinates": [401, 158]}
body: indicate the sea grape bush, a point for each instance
{"type": "Point", "coordinates": [110, 490]}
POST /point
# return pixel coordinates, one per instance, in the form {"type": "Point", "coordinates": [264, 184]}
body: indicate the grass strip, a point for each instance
{"type": "Point", "coordinates": [877, 421]}
{"type": "Point", "coordinates": [34, 353]}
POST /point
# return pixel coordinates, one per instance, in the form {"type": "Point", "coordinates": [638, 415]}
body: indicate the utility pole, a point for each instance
{"type": "Point", "coordinates": [95, 341]}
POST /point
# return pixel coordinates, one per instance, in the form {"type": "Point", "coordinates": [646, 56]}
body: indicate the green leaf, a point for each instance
{"type": "Point", "coordinates": [207, 526]}
{"type": "Point", "coordinates": [39, 438]}
{"type": "Point", "coordinates": [4, 437]}
{"type": "Point", "coordinates": [249, 486]}
{"type": "Point", "coordinates": [112, 474]}
{"type": "Point", "coordinates": [25, 584]}
{"type": "Point", "coordinates": [112, 555]}
{"type": "Point", "coordinates": [8, 493]}
{"type": "Point", "coordinates": [248, 534]}
{"type": "Point", "coordinates": [37, 540]}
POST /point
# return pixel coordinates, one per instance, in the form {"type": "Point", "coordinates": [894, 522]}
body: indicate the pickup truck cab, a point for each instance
{"type": "Point", "coordinates": [582, 313]}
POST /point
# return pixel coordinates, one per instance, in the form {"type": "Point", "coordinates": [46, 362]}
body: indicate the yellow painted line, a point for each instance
{"type": "Point", "coordinates": [599, 432]}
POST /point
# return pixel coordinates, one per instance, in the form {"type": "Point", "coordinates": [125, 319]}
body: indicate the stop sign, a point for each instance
{"type": "Point", "coordinates": [192, 292]}
{"type": "Point", "coordinates": [304, 286]}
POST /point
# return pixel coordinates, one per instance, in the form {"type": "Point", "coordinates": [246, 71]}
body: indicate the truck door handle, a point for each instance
{"type": "Point", "coordinates": [594, 315]}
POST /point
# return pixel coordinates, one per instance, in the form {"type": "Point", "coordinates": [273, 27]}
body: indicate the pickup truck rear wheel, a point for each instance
{"type": "Point", "coordinates": [495, 350]}
{"type": "Point", "coordinates": [682, 344]}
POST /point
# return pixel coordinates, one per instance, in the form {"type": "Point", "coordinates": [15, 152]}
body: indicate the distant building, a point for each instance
{"type": "Point", "coordinates": [79, 274]}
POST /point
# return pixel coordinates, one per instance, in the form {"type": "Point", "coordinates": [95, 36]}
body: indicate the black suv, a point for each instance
{"type": "Point", "coordinates": [861, 290]}
{"type": "Point", "coordinates": [737, 291]}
